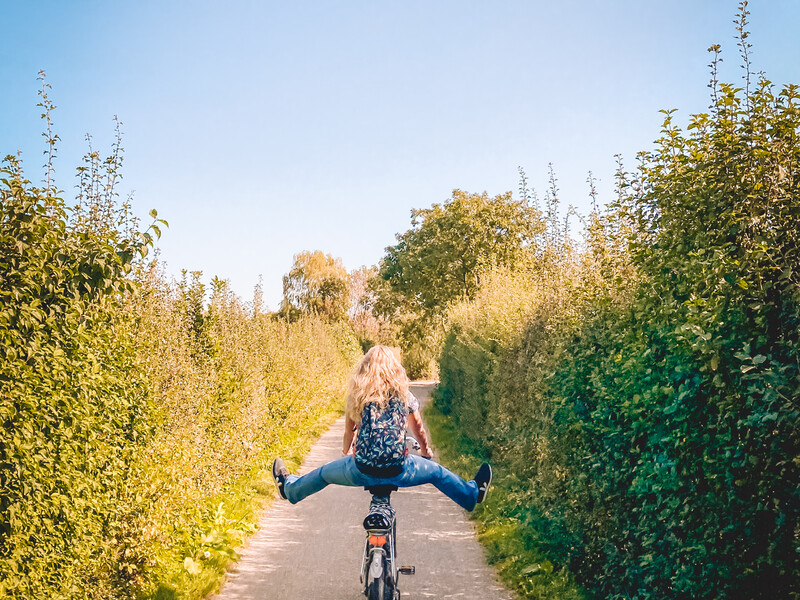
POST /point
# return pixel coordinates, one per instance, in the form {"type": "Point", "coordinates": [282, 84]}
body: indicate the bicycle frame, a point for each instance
{"type": "Point", "coordinates": [379, 570]}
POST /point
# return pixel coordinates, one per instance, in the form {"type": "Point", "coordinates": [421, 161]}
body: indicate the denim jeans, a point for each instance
{"type": "Point", "coordinates": [416, 471]}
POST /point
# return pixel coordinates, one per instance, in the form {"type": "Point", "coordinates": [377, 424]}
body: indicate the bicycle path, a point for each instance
{"type": "Point", "coordinates": [313, 549]}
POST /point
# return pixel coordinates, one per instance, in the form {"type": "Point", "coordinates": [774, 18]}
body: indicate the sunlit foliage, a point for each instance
{"type": "Point", "coordinates": [137, 416]}
{"type": "Point", "coordinates": [643, 414]}
{"type": "Point", "coordinates": [317, 284]}
{"type": "Point", "coordinates": [442, 259]}
{"type": "Point", "coordinates": [73, 407]}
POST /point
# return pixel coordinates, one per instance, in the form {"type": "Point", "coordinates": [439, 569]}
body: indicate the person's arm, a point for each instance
{"type": "Point", "coordinates": [418, 431]}
{"type": "Point", "coordinates": [350, 427]}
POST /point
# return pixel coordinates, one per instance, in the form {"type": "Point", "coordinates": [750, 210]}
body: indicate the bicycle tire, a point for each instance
{"type": "Point", "coordinates": [394, 592]}
{"type": "Point", "coordinates": [376, 589]}
{"type": "Point", "coordinates": [383, 588]}
{"type": "Point", "coordinates": [390, 591]}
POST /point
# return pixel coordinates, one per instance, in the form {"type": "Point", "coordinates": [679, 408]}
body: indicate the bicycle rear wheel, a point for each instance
{"type": "Point", "coordinates": [383, 587]}
{"type": "Point", "coordinates": [382, 590]}
{"type": "Point", "coordinates": [376, 589]}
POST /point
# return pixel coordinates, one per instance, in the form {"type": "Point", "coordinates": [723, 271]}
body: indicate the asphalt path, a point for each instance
{"type": "Point", "coordinates": [313, 549]}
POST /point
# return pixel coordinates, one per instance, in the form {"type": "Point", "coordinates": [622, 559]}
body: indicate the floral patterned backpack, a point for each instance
{"type": "Point", "coordinates": [381, 440]}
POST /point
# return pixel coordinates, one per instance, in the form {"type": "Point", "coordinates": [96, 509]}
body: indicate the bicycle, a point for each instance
{"type": "Point", "coordinates": [379, 570]}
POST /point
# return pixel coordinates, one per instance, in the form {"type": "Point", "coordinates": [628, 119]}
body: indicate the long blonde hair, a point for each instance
{"type": "Point", "coordinates": [378, 376]}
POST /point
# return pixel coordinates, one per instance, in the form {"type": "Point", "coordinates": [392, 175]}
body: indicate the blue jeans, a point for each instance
{"type": "Point", "coordinates": [416, 471]}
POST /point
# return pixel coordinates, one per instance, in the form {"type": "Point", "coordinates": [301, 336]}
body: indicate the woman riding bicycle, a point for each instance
{"type": "Point", "coordinates": [379, 409]}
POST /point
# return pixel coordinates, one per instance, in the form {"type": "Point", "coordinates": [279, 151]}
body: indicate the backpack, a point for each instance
{"type": "Point", "coordinates": [381, 439]}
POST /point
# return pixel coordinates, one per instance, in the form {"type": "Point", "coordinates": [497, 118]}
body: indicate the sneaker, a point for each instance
{"type": "Point", "coordinates": [279, 474]}
{"type": "Point", "coordinates": [484, 479]}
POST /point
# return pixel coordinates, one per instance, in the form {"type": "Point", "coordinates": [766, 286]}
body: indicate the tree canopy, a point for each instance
{"type": "Point", "coordinates": [316, 284]}
{"type": "Point", "coordinates": [442, 257]}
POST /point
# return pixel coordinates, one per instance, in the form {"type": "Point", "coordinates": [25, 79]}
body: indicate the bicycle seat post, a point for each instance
{"type": "Point", "coordinates": [381, 493]}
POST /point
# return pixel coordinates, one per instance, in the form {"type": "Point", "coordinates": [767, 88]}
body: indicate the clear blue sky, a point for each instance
{"type": "Point", "coordinates": [259, 129]}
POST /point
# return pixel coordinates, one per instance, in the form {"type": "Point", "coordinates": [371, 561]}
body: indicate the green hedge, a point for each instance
{"type": "Point", "coordinates": [235, 389]}
{"type": "Point", "coordinates": [72, 407]}
{"type": "Point", "coordinates": [659, 428]}
{"type": "Point", "coordinates": [137, 417]}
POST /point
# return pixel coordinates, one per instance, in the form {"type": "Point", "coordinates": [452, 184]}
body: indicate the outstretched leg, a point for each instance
{"type": "Point", "coordinates": [340, 472]}
{"type": "Point", "coordinates": [417, 471]}
{"type": "Point", "coordinates": [420, 470]}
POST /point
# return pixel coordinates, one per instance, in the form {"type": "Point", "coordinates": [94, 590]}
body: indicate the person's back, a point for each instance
{"type": "Point", "coordinates": [379, 408]}
{"type": "Point", "coordinates": [380, 445]}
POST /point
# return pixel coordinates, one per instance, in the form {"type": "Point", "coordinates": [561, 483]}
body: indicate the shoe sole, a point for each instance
{"type": "Point", "coordinates": [488, 485]}
{"type": "Point", "coordinates": [276, 475]}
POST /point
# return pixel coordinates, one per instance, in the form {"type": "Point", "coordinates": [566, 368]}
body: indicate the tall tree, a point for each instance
{"type": "Point", "coordinates": [442, 257]}
{"type": "Point", "coordinates": [317, 284]}
{"type": "Point", "coordinates": [369, 325]}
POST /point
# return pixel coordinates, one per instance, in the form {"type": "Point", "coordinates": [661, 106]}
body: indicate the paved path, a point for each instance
{"type": "Point", "coordinates": [312, 550]}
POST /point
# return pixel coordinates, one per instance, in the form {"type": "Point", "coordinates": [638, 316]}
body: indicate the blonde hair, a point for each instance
{"type": "Point", "coordinates": [378, 376]}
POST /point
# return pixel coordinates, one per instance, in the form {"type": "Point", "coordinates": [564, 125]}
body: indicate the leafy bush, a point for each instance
{"type": "Point", "coordinates": [691, 395]}
{"type": "Point", "coordinates": [73, 408]}
{"type": "Point", "coordinates": [255, 387]}
{"type": "Point", "coordinates": [441, 260]}
{"type": "Point", "coordinates": [137, 416]}
{"type": "Point", "coordinates": [653, 415]}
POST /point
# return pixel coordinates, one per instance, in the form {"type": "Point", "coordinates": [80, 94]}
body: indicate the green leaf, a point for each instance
{"type": "Point", "coordinates": [192, 566]}
{"type": "Point", "coordinates": [542, 568]}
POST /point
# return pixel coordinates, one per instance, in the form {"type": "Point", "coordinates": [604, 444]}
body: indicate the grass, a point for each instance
{"type": "Point", "coordinates": [511, 546]}
{"type": "Point", "coordinates": [232, 516]}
